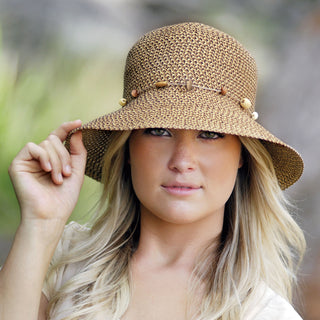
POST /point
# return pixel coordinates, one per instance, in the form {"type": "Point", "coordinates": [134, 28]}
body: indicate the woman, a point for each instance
{"type": "Point", "coordinates": [192, 222]}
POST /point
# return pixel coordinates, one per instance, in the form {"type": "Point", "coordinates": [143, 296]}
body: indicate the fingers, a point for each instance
{"type": "Point", "coordinates": [52, 156]}
{"type": "Point", "coordinates": [34, 152]}
{"type": "Point", "coordinates": [78, 153]}
{"type": "Point", "coordinates": [65, 128]}
{"type": "Point", "coordinates": [59, 158]}
{"type": "Point", "coordinates": [76, 145]}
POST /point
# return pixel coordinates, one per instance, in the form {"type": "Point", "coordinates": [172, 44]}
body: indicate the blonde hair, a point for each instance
{"type": "Point", "coordinates": [260, 243]}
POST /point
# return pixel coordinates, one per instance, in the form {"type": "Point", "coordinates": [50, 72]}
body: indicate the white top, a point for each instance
{"type": "Point", "coordinates": [269, 306]}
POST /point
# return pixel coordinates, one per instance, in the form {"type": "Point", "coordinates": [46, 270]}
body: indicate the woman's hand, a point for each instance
{"type": "Point", "coordinates": [46, 178]}
{"type": "Point", "coordinates": [47, 181]}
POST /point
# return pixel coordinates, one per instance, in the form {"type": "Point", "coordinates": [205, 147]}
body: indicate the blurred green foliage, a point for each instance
{"type": "Point", "coordinates": [34, 100]}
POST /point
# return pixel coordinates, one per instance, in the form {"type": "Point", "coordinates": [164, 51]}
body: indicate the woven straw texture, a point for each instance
{"type": "Point", "coordinates": [207, 58]}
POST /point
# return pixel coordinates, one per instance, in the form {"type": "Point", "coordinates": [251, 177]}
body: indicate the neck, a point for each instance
{"type": "Point", "coordinates": [164, 244]}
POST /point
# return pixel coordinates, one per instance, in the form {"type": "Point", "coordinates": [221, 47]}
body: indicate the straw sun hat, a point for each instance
{"type": "Point", "coordinates": [189, 76]}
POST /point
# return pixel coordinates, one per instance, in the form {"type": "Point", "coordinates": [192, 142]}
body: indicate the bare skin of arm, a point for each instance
{"type": "Point", "coordinates": [47, 181]}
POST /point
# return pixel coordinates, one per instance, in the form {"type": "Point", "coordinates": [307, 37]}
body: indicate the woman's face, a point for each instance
{"type": "Point", "coordinates": [183, 176]}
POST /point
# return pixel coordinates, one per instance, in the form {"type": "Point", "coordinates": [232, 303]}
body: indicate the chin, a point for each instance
{"type": "Point", "coordinates": [181, 216]}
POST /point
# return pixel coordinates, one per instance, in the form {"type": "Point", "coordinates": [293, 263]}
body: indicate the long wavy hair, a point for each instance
{"type": "Point", "coordinates": [260, 244]}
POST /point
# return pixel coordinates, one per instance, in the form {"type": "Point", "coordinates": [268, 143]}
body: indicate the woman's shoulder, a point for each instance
{"type": "Point", "coordinates": [272, 306]}
{"type": "Point", "coordinates": [62, 274]}
{"type": "Point", "coordinates": [73, 227]}
{"type": "Point", "coordinates": [71, 235]}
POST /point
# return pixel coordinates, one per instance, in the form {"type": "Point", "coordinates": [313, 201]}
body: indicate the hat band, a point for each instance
{"type": "Point", "coordinates": [245, 103]}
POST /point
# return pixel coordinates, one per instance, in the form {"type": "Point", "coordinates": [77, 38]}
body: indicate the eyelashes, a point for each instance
{"type": "Point", "coordinates": [211, 135]}
{"type": "Point", "coordinates": [160, 132]}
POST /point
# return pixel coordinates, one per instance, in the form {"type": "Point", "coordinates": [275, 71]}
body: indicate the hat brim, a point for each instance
{"type": "Point", "coordinates": [197, 110]}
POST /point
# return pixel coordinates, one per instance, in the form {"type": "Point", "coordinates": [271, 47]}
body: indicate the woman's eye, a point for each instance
{"type": "Point", "coordinates": [211, 135]}
{"type": "Point", "coordinates": [157, 132]}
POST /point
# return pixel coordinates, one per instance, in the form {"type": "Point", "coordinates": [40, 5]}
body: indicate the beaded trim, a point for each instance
{"type": "Point", "coordinates": [245, 103]}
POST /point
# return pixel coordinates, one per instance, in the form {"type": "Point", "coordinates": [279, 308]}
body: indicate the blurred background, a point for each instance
{"type": "Point", "coordinates": [63, 60]}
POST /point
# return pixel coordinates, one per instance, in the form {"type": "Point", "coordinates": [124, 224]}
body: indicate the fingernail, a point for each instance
{"type": "Point", "coordinates": [48, 165]}
{"type": "Point", "coordinates": [60, 179]}
{"type": "Point", "coordinates": [67, 169]}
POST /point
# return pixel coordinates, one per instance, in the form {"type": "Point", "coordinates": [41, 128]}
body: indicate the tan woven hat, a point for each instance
{"type": "Point", "coordinates": [189, 76]}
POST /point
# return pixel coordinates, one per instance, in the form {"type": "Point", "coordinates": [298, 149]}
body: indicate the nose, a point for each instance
{"type": "Point", "coordinates": [183, 154]}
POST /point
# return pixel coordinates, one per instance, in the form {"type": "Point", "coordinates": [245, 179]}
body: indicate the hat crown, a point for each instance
{"type": "Point", "coordinates": [189, 76]}
{"type": "Point", "coordinates": [191, 51]}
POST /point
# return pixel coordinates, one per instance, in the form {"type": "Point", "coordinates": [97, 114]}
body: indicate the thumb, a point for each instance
{"type": "Point", "coordinates": [78, 152]}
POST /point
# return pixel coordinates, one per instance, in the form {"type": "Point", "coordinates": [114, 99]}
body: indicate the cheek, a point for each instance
{"type": "Point", "coordinates": [223, 176]}
{"type": "Point", "coordinates": [222, 172]}
{"type": "Point", "coordinates": [137, 162]}
{"type": "Point", "coordinates": [144, 163]}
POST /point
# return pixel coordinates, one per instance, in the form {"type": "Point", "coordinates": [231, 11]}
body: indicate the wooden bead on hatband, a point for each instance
{"type": "Point", "coordinates": [122, 102]}
{"type": "Point", "coordinates": [223, 91]}
{"type": "Point", "coordinates": [189, 85]}
{"type": "Point", "coordinates": [134, 93]}
{"type": "Point", "coordinates": [245, 103]}
{"type": "Point", "coordinates": [161, 84]}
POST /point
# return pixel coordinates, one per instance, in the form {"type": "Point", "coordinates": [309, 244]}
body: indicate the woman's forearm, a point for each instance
{"type": "Point", "coordinates": [47, 180]}
{"type": "Point", "coordinates": [22, 276]}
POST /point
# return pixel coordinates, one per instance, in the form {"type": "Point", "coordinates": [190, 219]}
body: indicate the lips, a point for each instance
{"type": "Point", "coordinates": [182, 185]}
{"type": "Point", "coordinates": [177, 188]}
